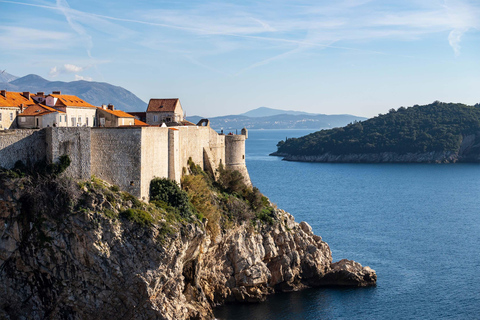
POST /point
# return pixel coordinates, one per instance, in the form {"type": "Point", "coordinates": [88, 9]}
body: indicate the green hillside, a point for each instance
{"type": "Point", "coordinates": [435, 127]}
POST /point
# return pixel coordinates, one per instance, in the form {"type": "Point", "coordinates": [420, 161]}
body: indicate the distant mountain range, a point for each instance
{"type": "Point", "coordinates": [267, 112]}
{"type": "Point", "coordinates": [267, 118]}
{"type": "Point", "coordinates": [6, 77]}
{"type": "Point", "coordinates": [96, 93]}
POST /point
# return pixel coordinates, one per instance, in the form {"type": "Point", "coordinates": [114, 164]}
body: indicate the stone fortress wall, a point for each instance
{"type": "Point", "coordinates": [129, 157]}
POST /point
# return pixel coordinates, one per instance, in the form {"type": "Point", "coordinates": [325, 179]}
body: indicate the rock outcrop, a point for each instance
{"type": "Point", "coordinates": [89, 263]}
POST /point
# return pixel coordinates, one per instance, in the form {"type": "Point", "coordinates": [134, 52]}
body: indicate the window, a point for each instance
{"type": "Point", "coordinates": [79, 121]}
{"type": "Point", "coordinates": [86, 121]}
{"type": "Point", "coordinates": [65, 119]}
{"type": "Point", "coordinates": [0, 117]}
{"type": "Point", "coordinates": [155, 118]}
{"type": "Point", "coordinates": [102, 122]}
{"type": "Point", "coordinates": [73, 122]}
{"type": "Point", "coordinates": [11, 116]}
{"type": "Point", "coordinates": [22, 119]}
{"type": "Point", "coordinates": [168, 119]}
{"type": "Point", "coordinates": [94, 121]}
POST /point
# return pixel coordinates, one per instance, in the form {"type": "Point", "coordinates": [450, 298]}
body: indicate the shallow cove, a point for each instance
{"type": "Point", "coordinates": [417, 225]}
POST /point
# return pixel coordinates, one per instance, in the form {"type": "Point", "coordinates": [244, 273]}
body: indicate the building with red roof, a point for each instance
{"type": "Point", "coordinates": [166, 111]}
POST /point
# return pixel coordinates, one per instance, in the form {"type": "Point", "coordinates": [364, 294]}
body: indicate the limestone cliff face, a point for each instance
{"type": "Point", "coordinates": [469, 151]}
{"type": "Point", "coordinates": [82, 263]}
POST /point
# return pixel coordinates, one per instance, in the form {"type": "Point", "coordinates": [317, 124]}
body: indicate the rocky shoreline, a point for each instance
{"type": "Point", "coordinates": [469, 151]}
{"type": "Point", "coordinates": [86, 264]}
{"type": "Point", "coordinates": [384, 157]}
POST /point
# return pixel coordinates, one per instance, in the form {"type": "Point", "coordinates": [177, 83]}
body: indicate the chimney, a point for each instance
{"type": "Point", "coordinates": [40, 94]}
{"type": "Point", "coordinates": [21, 108]}
{"type": "Point", "coordinates": [56, 92]}
{"type": "Point", "coordinates": [111, 107]}
{"type": "Point", "coordinates": [104, 106]}
{"type": "Point", "coordinates": [26, 94]}
{"type": "Point", "coordinates": [3, 93]}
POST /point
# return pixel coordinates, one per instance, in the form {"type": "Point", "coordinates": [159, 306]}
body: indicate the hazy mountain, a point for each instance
{"type": "Point", "coordinates": [267, 112]}
{"type": "Point", "coordinates": [96, 93]}
{"type": "Point", "coordinates": [279, 121]}
{"type": "Point", "coordinates": [6, 77]}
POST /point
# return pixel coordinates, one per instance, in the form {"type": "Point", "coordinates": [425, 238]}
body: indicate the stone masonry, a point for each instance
{"type": "Point", "coordinates": [129, 157]}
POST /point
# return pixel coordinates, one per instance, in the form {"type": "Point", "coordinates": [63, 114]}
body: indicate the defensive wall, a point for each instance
{"type": "Point", "coordinates": [129, 157]}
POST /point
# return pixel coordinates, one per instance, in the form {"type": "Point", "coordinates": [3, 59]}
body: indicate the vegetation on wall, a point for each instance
{"type": "Point", "coordinates": [435, 127]}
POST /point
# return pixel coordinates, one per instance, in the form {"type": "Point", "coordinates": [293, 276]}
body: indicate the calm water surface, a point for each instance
{"type": "Point", "coordinates": [417, 225]}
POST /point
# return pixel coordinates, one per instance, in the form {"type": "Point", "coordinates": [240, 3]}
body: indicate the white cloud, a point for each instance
{"type": "Point", "coordinates": [66, 69]}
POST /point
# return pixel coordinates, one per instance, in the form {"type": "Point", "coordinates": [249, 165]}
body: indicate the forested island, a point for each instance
{"type": "Point", "coordinates": [435, 133]}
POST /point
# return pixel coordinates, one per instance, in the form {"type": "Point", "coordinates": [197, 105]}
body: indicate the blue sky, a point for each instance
{"type": "Point", "coordinates": [226, 57]}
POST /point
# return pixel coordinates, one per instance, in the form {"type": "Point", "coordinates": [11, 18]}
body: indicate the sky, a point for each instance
{"type": "Point", "coordinates": [357, 57]}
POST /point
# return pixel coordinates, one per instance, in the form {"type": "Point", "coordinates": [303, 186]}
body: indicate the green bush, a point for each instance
{"type": "Point", "coordinates": [232, 181]}
{"type": "Point", "coordinates": [266, 215]}
{"type": "Point", "coordinates": [168, 191]}
{"type": "Point", "coordinates": [139, 216]}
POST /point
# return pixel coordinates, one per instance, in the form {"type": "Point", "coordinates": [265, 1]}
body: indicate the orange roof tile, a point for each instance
{"type": "Point", "coordinates": [118, 113]}
{"type": "Point", "coordinates": [141, 123]}
{"type": "Point", "coordinates": [14, 99]}
{"type": "Point", "coordinates": [66, 100]}
{"type": "Point", "coordinates": [162, 105]}
{"type": "Point", "coordinates": [38, 110]}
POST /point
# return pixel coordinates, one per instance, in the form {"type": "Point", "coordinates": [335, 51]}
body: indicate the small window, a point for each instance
{"type": "Point", "coordinates": [11, 116]}
{"type": "Point", "coordinates": [22, 119]}
{"type": "Point", "coordinates": [79, 121]}
{"type": "Point", "coordinates": [155, 118]}
{"type": "Point", "coordinates": [86, 121]}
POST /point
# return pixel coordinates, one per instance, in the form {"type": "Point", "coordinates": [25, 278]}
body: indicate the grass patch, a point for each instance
{"type": "Point", "coordinates": [139, 216]}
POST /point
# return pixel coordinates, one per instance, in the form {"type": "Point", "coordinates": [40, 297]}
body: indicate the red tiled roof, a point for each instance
{"type": "Point", "coordinates": [14, 99]}
{"type": "Point", "coordinates": [118, 113]}
{"type": "Point", "coordinates": [38, 110]}
{"type": "Point", "coordinates": [162, 105]}
{"type": "Point", "coordinates": [65, 100]}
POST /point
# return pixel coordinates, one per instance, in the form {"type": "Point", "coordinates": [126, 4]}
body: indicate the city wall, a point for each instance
{"type": "Point", "coordinates": [129, 157]}
{"type": "Point", "coordinates": [25, 145]}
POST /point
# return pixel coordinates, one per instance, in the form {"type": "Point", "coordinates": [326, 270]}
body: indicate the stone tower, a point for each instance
{"type": "Point", "coordinates": [235, 154]}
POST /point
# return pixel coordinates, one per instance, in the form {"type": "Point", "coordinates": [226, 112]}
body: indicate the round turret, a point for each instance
{"type": "Point", "coordinates": [245, 132]}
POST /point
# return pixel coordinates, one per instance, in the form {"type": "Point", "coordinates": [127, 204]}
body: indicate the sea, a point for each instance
{"type": "Point", "coordinates": [416, 225]}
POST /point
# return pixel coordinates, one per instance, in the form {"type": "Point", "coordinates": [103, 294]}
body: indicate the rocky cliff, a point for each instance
{"type": "Point", "coordinates": [73, 250]}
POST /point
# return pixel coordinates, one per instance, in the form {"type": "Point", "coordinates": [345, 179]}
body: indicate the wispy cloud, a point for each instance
{"type": "Point", "coordinates": [63, 6]}
{"type": "Point", "coordinates": [22, 38]}
{"type": "Point", "coordinates": [256, 26]}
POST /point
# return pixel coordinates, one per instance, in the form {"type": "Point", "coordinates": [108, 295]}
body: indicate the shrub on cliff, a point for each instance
{"type": "Point", "coordinates": [202, 199]}
{"type": "Point", "coordinates": [168, 191]}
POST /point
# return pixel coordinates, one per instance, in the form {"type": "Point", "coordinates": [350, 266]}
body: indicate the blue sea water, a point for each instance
{"type": "Point", "coordinates": [417, 225]}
